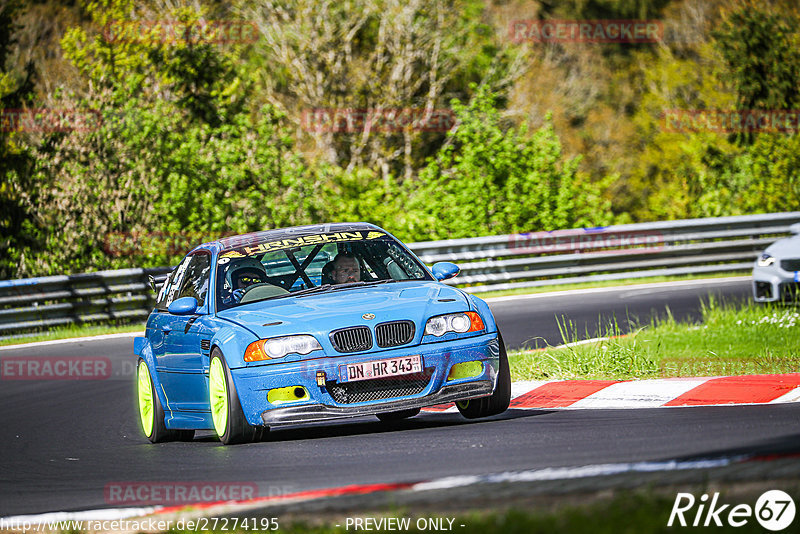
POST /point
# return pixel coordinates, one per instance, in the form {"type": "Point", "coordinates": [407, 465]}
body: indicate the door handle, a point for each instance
{"type": "Point", "coordinates": [166, 328]}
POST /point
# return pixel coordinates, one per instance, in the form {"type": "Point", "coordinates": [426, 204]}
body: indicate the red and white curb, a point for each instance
{"type": "Point", "coordinates": [665, 392]}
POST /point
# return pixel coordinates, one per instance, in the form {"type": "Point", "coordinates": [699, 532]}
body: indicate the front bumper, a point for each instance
{"type": "Point", "coordinates": [317, 412]}
{"type": "Point", "coordinates": [324, 402]}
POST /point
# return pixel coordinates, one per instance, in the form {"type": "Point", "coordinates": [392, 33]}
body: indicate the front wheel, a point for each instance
{"type": "Point", "coordinates": [498, 401]}
{"type": "Point", "coordinates": [230, 423]}
{"type": "Point", "coordinates": [151, 413]}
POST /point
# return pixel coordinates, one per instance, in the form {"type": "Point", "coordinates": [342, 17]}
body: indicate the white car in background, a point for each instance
{"type": "Point", "coordinates": [776, 275]}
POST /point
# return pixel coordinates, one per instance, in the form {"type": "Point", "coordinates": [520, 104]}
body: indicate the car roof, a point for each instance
{"type": "Point", "coordinates": [232, 242]}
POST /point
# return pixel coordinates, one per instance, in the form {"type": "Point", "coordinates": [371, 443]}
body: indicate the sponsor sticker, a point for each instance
{"type": "Point", "coordinates": [335, 237]}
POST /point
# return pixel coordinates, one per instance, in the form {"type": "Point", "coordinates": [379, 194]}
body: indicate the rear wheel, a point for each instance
{"type": "Point", "coordinates": [151, 413]}
{"type": "Point", "coordinates": [226, 411]}
{"type": "Point", "coordinates": [398, 415]}
{"type": "Point", "coordinates": [498, 401]}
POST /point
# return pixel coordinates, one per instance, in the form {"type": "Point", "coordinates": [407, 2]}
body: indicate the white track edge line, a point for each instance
{"type": "Point", "coordinates": [654, 285]}
{"type": "Point", "coordinates": [99, 337]}
{"type": "Point", "coordinates": [565, 473]}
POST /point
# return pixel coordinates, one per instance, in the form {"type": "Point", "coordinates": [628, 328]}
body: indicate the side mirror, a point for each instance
{"type": "Point", "coordinates": [183, 306]}
{"type": "Point", "coordinates": [795, 228]}
{"type": "Point", "coordinates": [444, 270]}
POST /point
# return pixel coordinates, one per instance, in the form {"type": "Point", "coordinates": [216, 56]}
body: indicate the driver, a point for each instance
{"type": "Point", "coordinates": [345, 269]}
{"type": "Point", "coordinates": [243, 274]}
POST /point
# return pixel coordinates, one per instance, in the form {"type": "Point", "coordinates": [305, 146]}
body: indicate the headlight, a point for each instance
{"type": "Point", "coordinates": [765, 260]}
{"type": "Point", "coordinates": [454, 322]}
{"type": "Point", "coordinates": [278, 347]}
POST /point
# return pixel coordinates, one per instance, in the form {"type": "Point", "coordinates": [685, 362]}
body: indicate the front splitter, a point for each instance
{"type": "Point", "coordinates": [306, 413]}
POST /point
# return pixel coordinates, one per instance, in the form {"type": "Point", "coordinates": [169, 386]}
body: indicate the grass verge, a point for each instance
{"type": "Point", "coordinates": [67, 332]}
{"type": "Point", "coordinates": [731, 339]}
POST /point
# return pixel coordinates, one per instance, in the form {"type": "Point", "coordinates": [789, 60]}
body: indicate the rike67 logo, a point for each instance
{"type": "Point", "coordinates": [774, 510]}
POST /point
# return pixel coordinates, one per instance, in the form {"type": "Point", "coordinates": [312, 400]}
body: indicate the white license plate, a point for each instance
{"type": "Point", "coordinates": [380, 368]}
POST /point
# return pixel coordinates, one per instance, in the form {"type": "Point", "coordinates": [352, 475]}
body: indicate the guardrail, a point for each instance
{"type": "Point", "coordinates": [713, 245]}
{"type": "Point", "coordinates": [104, 296]}
{"type": "Point", "coordinates": [669, 248]}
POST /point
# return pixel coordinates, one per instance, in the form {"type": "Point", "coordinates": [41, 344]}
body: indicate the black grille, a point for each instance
{"type": "Point", "coordinates": [380, 388]}
{"type": "Point", "coordinates": [352, 339]}
{"type": "Point", "coordinates": [205, 344]}
{"type": "Point", "coordinates": [790, 265]}
{"type": "Point", "coordinates": [394, 333]}
{"type": "Point", "coordinates": [763, 290]}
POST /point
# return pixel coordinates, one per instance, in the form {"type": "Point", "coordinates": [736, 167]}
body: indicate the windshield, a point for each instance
{"type": "Point", "coordinates": [312, 263]}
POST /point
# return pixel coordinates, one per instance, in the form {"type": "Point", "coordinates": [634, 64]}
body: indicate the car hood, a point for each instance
{"type": "Point", "coordinates": [788, 247]}
{"type": "Point", "coordinates": [323, 312]}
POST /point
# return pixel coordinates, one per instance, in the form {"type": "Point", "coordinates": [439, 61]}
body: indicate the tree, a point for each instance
{"type": "Point", "coordinates": [490, 178]}
{"type": "Point", "coordinates": [761, 49]}
{"type": "Point", "coordinates": [18, 231]}
{"type": "Point", "coordinates": [376, 56]}
{"type": "Point", "coordinates": [178, 151]}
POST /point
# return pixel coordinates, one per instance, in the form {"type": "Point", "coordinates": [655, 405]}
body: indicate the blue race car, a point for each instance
{"type": "Point", "coordinates": [308, 324]}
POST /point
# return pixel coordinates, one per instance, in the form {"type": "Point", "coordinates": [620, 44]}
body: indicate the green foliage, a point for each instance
{"type": "Point", "coordinates": [17, 229]}
{"type": "Point", "coordinates": [751, 63]}
{"type": "Point", "coordinates": [761, 50]}
{"type": "Point", "coordinates": [606, 9]}
{"type": "Point", "coordinates": [178, 152]}
{"type": "Point", "coordinates": [200, 139]}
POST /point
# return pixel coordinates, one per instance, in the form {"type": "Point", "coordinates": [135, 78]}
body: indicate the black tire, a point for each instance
{"type": "Point", "coordinates": [498, 401]}
{"type": "Point", "coordinates": [160, 433]}
{"type": "Point", "coordinates": [398, 415]}
{"type": "Point", "coordinates": [237, 430]}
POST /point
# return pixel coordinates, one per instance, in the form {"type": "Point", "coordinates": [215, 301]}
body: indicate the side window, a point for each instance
{"type": "Point", "coordinates": [195, 282]}
{"type": "Point", "coordinates": [169, 289]}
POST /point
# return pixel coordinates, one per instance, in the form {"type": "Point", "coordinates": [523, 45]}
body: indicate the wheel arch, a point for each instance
{"type": "Point", "coordinates": [143, 350]}
{"type": "Point", "coordinates": [483, 310]}
{"type": "Point", "coordinates": [232, 341]}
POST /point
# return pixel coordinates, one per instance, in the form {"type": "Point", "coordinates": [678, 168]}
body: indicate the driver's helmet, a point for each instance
{"type": "Point", "coordinates": [247, 271]}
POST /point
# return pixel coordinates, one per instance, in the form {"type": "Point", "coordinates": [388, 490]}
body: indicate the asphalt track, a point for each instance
{"type": "Point", "coordinates": [65, 442]}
